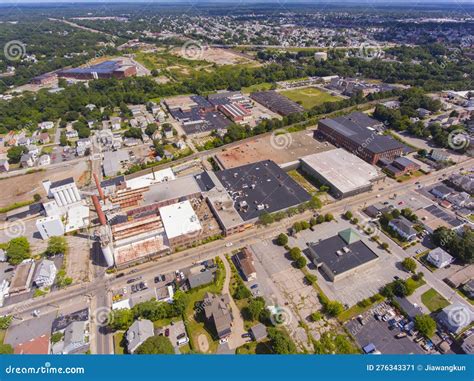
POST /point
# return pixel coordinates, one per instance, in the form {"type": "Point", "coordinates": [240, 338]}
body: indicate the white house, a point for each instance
{"type": "Point", "coordinates": [44, 160]}
{"type": "Point", "coordinates": [45, 273]}
{"type": "Point", "coordinates": [439, 258]}
{"type": "Point", "coordinates": [440, 155]}
{"type": "Point", "coordinates": [403, 227]}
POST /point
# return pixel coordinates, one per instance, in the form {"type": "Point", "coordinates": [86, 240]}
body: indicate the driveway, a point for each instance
{"type": "Point", "coordinates": [238, 329]}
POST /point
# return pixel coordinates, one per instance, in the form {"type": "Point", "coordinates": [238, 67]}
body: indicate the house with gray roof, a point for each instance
{"type": "Point", "coordinates": [200, 279]}
{"type": "Point", "coordinates": [403, 227]}
{"type": "Point", "coordinates": [439, 258]}
{"type": "Point", "coordinates": [258, 332]}
{"type": "Point", "coordinates": [138, 332]}
{"type": "Point", "coordinates": [76, 338]}
{"type": "Point", "coordinates": [456, 317]}
{"type": "Point", "coordinates": [218, 312]}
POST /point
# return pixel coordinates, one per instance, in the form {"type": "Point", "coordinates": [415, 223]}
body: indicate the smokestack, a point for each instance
{"type": "Point", "coordinates": [99, 188]}
{"type": "Point", "coordinates": [98, 209]}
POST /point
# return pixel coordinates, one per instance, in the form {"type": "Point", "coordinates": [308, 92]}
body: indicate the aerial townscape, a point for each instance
{"type": "Point", "coordinates": [236, 178]}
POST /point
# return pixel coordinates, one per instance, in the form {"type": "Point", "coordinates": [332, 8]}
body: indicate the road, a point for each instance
{"type": "Point", "coordinates": [99, 288]}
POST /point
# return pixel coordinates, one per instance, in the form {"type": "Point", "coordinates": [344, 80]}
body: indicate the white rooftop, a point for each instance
{"type": "Point", "coordinates": [179, 219]}
{"type": "Point", "coordinates": [150, 178]}
{"type": "Point", "coordinates": [342, 169]}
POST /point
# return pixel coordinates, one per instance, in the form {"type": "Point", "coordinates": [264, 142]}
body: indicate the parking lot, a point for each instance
{"type": "Point", "coordinates": [381, 336]}
{"type": "Point", "coordinates": [176, 332]}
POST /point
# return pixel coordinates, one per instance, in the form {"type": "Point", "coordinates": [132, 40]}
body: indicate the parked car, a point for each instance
{"type": "Point", "coordinates": [167, 332]}
{"type": "Point", "coordinates": [253, 287]}
{"type": "Point", "coordinates": [400, 335]}
{"type": "Point", "coordinates": [245, 335]}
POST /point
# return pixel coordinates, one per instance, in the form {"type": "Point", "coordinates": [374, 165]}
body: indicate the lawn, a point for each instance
{"type": "Point", "coordinates": [302, 181]}
{"type": "Point", "coordinates": [309, 97]}
{"type": "Point", "coordinates": [255, 348]}
{"type": "Point", "coordinates": [118, 338]}
{"type": "Point", "coordinates": [257, 87]}
{"type": "Point", "coordinates": [195, 327]}
{"type": "Point", "coordinates": [433, 300]}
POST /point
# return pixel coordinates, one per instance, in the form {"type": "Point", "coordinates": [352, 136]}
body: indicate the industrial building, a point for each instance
{"type": "Point", "coordinates": [276, 102]}
{"type": "Point", "coordinates": [345, 173]}
{"type": "Point", "coordinates": [106, 69]}
{"type": "Point", "coordinates": [358, 134]}
{"type": "Point", "coordinates": [261, 187]}
{"type": "Point", "coordinates": [341, 255]}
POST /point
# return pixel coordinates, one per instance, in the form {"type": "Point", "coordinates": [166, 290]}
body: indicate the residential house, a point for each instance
{"type": "Point", "coordinates": [45, 125]}
{"type": "Point", "coordinates": [439, 258]}
{"type": "Point", "coordinates": [244, 261]}
{"type": "Point", "coordinates": [168, 132]}
{"type": "Point", "coordinates": [45, 273]}
{"type": "Point", "coordinates": [403, 227]}
{"type": "Point", "coordinates": [258, 332]}
{"type": "Point", "coordinates": [138, 332]}
{"type": "Point", "coordinates": [33, 150]}
{"type": "Point", "coordinates": [468, 344]}
{"type": "Point", "coordinates": [72, 134]}
{"type": "Point", "coordinates": [44, 160]}
{"type": "Point", "coordinates": [440, 155]}
{"type": "Point", "coordinates": [115, 123]}
{"type": "Point", "coordinates": [27, 160]}
{"type": "Point", "coordinates": [468, 288]}
{"type": "Point", "coordinates": [218, 312]}
{"type": "Point", "coordinates": [76, 338]}
{"type": "Point", "coordinates": [43, 138]}
{"type": "Point", "coordinates": [200, 279]}
{"type": "Point", "coordinates": [455, 317]}
{"type": "Point", "coordinates": [441, 191]}
{"type": "Point", "coordinates": [24, 141]}
{"type": "Point", "coordinates": [4, 165]}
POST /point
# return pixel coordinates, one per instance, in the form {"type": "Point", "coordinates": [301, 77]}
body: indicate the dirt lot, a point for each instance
{"type": "Point", "coordinates": [279, 148]}
{"type": "Point", "coordinates": [23, 187]}
{"type": "Point", "coordinates": [220, 56]}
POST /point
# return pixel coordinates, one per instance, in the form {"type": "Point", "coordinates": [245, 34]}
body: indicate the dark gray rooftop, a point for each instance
{"type": "Point", "coordinates": [326, 250]}
{"type": "Point", "coordinates": [261, 183]}
{"type": "Point", "coordinates": [62, 182]}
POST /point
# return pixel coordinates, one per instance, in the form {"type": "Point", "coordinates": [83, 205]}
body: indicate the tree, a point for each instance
{"type": "Point", "coordinates": [133, 132]}
{"type": "Point", "coordinates": [316, 316]}
{"type": "Point", "coordinates": [18, 250]}
{"type": "Point", "coordinates": [409, 264]}
{"type": "Point", "coordinates": [14, 154]}
{"type": "Point", "coordinates": [155, 345]}
{"type": "Point", "coordinates": [348, 215]}
{"type": "Point", "coordinates": [37, 197]}
{"type": "Point", "coordinates": [295, 253]}
{"type": "Point", "coordinates": [281, 342]}
{"type": "Point", "coordinates": [311, 278]}
{"type": "Point", "coordinates": [150, 129]}
{"type": "Point", "coordinates": [56, 245]}
{"type": "Point", "coordinates": [282, 239]}
{"type": "Point", "coordinates": [265, 218]}
{"type": "Point", "coordinates": [6, 349]}
{"type": "Point", "coordinates": [328, 217]}
{"type": "Point", "coordinates": [158, 147]}
{"type": "Point", "coordinates": [5, 321]}
{"type": "Point", "coordinates": [425, 325]}
{"type": "Point", "coordinates": [255, 308]}
{"type": "Point", "coordinates": [241, 292]}
{"type": "Point", "coordinates": [384, 245]}
{"type": "Point", "coordinates": [320, 219]}
{"type": "Point", "coordinates": [300, 262]}
{"type": "Point", "coordinates": [63, 139]}
{"type": "Point", "coordinates": [120, 319]}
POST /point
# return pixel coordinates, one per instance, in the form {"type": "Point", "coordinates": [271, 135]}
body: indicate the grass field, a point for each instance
{"type": "Point", "coordinates": [257, 87]}
{"type": "Point", "coordinates": [433, 301]}
{"type": "Point", "coordinates": [309, 96]}
{"type": "Point", "coordinates": [118, 338]}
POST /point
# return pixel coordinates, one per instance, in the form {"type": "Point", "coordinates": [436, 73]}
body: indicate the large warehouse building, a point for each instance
{"type": "Point", "coordinates": [106, 69]}
{"type": "Point", "coordinates": [343, 172]}
{"type": "Point", "coordinates": [358, 134]}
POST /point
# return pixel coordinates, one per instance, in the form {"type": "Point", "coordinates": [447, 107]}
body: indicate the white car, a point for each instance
{"type": "Point", "coordinates": [228, 244]}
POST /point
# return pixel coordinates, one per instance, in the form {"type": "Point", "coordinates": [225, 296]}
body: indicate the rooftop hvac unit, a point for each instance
{"type": "Point", "coordinates": [346, 249]}
{"type": "Point", "coordinates": [339, 253]}
{"type": "Point", "coordinates": [260, 207]}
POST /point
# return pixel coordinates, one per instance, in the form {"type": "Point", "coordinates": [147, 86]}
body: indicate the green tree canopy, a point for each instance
{"type": "Point", "coordinates": [155, 345]}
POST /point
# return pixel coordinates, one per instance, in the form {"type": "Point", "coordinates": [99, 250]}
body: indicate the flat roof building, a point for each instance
{"type": "Point", "coordinates": [261, 187]}
{"type": "Point", "coordinates": [343, 172]}
{"type": "Point", "coordinates": [341, 255]}
{"type": "Point", "coordinates": [180, 222]}
{"type": "Point", "coordinates": [357, 133]}
{"type": "Point", "coordinates": [276, 102]}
